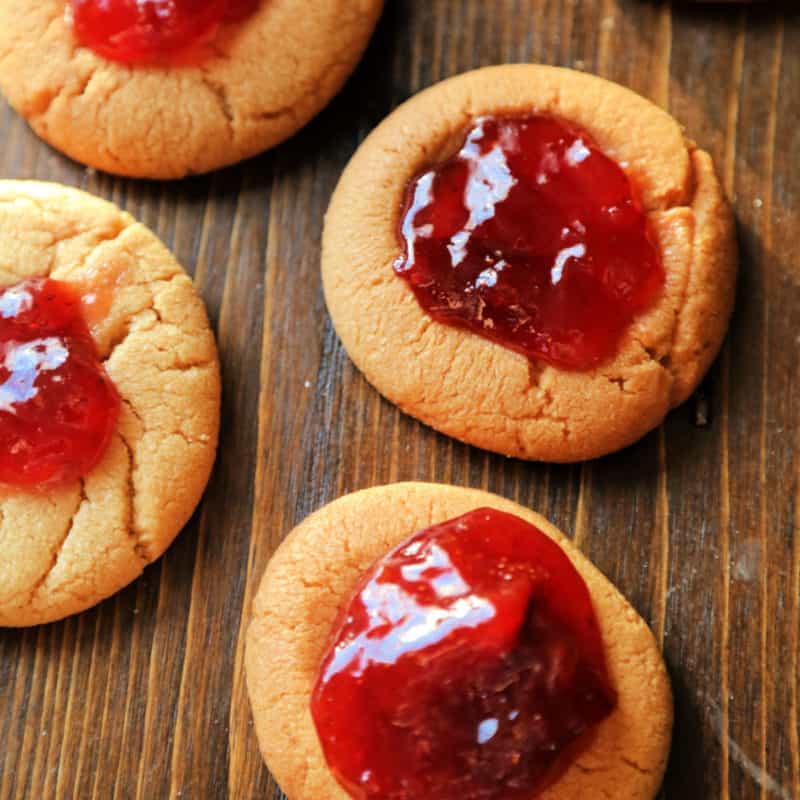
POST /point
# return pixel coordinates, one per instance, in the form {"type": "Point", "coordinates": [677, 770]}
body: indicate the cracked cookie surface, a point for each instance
{"type": "Point", "coordinates": [478, 391]}
{"type": "Point", "coordinates": [265, 79]}
{"type": "Point", "coordinates": [316, 569]}
{"type": "Point", "coordinates": [63, 550]}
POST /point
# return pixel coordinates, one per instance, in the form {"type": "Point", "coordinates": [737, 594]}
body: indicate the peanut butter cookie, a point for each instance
{"type": "Point", "coordinates": [66, 546]}
{"type": "Point", "coordinates": [323, 561]}
{"type": "Point", "coordinates": [532, 260]}
{"type": "Point", "coordinates": [264, 77]}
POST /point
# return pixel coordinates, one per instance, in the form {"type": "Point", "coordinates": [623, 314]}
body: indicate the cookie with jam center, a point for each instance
{"type": "Point", "coordinates": [249, 76]}
{"type": "Point", "coordinates": [132, 444]}
{"type": "Point", "coordinates": [530, 259]}
{"type": "Point", "coordinates": [306, 595]}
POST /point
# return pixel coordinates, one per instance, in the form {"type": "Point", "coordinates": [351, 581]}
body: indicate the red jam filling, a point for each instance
{"type": "Point", "coordinates": [468, 665]}
{"type": "Point", "coordinates": [141, 31]}
{"type": "Point", "coordinates": [531, 237]}
{"type": "Point", "coordinates": [58, 407]}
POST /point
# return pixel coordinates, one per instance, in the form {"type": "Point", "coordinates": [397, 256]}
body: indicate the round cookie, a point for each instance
{"type": "Point", "coordinates": [481, 392]}
{"type": "Point", "coordinates": [63, 549]}
{"type": "Point", "coordinates": [317, 567]}
{"type": "Point", "coordinates": [267, 77]}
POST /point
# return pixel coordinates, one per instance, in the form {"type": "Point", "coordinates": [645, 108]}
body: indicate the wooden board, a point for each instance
{"type": "Point", "coordinates": [698, 524]}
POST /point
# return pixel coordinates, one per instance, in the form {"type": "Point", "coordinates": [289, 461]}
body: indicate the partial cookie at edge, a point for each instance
{"type": "Point", "coordinates": [68, 548]}
{"type": "Point", "coordinates": [269, 75]}
{"type": "Point", "coordinates": [316, 569]}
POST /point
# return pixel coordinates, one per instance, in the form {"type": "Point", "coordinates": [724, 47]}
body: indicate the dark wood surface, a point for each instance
{"type": "Point", "coordinates": [698, 524]}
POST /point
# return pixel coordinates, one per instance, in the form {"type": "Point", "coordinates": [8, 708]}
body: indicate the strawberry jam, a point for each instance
{"type": "Point", "coordinates": [141, 31]}
{"type": "Point", "coordinates": [532, 237]}
{"type": "Point", "coordinates": [58, 407]}
{"type": "Point", "coordinates": [468, 665]}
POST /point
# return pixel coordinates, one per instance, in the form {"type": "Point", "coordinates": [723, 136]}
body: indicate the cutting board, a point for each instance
{"type": "Point", "coordinates": [698, 524]}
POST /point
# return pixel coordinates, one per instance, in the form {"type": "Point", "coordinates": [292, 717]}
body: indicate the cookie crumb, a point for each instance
{"type": "Point", "coordinates": [701, 410]}
{"type": "Point", "coordinates": [747, 560]}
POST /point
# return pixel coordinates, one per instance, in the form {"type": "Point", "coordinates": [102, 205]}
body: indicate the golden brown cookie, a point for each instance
{"type": "Point", "coordinates": [64, 549]}
{"type": "Point", "coordinates": [481, 392]}
{"type": "Point", "coordinates": [316, 569]}
{"type": "Point", "coordinates": [269, 75]}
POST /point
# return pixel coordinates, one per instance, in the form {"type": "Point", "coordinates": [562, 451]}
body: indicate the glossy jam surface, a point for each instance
{"type": "Point", "coordinates": [532, 237]}
{"type": "Point", "coordinates": [142, 31]}
{"type": "Point", "coordinates": [58, 407]}
{"type": "Point", "coordinates": [468, 665]}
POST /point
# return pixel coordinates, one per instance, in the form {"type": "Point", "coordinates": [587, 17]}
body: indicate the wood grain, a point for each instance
{"type": "Point", "coordinates": [698, 524]}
